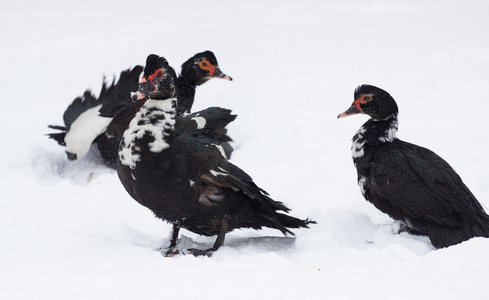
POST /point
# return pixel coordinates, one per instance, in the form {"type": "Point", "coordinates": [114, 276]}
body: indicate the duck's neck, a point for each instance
{"type": "Point", "coordinates": [150, 129]}
{"type": "Point", "coordinates": [374, 132]}
{"type": "Point", "coordinates": [185, 94]}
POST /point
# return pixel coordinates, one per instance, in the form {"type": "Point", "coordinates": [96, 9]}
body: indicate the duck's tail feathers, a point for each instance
{"type": "Point", "coordinates": [283, 222]}
{"type": "Point", "coordinates": [112, 99]}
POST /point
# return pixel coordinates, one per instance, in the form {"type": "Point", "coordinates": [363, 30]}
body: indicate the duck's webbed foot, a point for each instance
{"type": "Point", "coordinates": [410, 229]}
{"type": "Point", "coordinates": [172, 251]}
{"type": "Point", "coordinates": [218, 243]}
{"type": "Point", "coordinates": [200, 252]}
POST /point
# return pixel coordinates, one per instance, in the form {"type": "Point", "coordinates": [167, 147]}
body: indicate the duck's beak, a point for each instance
{"type": "Point", "coordinates": [219, 74]}
{"type": "Point", "coordinates": [353, 110]}
{"type": "Point", "coordinates": [137, 95]}
{"type": "Point", "coordinates": [145, 87]}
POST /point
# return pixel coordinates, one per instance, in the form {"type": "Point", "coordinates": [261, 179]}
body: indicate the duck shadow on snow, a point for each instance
{"type": "Point", "coordinates": [258, 244]}
{"type": "Point", "coordinates": [338, 228]}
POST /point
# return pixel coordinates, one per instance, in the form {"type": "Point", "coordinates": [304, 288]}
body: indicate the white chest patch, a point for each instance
{"type": "Point", "coordinates": [84, 130]}
{"type": "Point", "coordinates": [156, 118]}
{"type": "Point", "coordinates": [357, 143]}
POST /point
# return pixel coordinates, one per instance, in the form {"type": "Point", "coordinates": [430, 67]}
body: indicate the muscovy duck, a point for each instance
{"type": "Point", "coordinates": [102, 121]}
{"type": "Point", "coordinates": [87, 117]}
{"type": "Point", "coordinates": [410, 183]}
{"type": "Point", "coordinates": [182, 177]}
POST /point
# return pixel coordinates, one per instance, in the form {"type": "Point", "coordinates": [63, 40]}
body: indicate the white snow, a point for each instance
{"type": "Point", "coordinates": [69, 230]}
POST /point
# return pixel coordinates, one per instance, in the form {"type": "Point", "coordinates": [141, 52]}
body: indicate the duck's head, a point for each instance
{"type": "Point", "coordinates": [158, 79]}
{"type": "Point", "coordinates": [372, 101]}
{"type": "Point", "coordinates": [202, 67]}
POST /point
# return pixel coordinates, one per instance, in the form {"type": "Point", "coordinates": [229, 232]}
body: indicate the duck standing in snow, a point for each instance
{"type": "Point", "coordinates": [182, 177]}
{"type": "Point", "coordinates": [410, 183]}
{"type": "Point", "coordinates": [102, 121]}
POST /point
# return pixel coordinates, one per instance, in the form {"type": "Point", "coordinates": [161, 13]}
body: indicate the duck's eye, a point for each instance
{"type": "Point", "coordinates": [366, 98]}
{"type": "Point", "coordinates": [203, 64]}
{"type": "Point", "coordinates": [159, 74]}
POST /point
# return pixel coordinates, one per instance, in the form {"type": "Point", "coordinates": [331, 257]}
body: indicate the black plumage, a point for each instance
{"type": "Point", "coordinates": [410, 183]}
{"type": "Point", "coordinates": [181, 176]}
{"type": "Point", "coordinates": [111, 99]}
{"type": "Point", "coordinates": [115, 101]}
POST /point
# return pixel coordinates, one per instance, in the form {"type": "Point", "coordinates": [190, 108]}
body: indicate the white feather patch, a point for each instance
{"type": "Point", "coordinates": [391, 133]}
{"type": "Point", "coordinates": [143, 124]}
{"type": "Point", "coordinates": [221, 150]}
{"type": "Point", "coordinates": [200, 122]}
{"type": "Point", "coordinates": [215, 173]}
{"type": "Point", "coordinates": [361, 183]}
{"type": "Point", "coordinates": [357, 145]}
{"type": "Point", "coordinates": [84, 130]}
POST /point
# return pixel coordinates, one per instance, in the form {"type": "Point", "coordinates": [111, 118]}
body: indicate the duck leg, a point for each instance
{"type": "Point", "coordinates": [218, 243]}
{"type": "Point", "coordinates": [410, 229]}
{"type": "Point", "coordinates": [173, 242]}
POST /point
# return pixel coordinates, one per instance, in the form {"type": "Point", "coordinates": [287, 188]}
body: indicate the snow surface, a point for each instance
{"type": "Point", "coordinates": [68, 230]}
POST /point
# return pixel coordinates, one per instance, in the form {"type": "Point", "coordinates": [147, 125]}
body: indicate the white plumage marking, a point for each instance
{"type": "Point", "coordinates": [154, 118]}
{"type": "Point", "coordinates": [200, 122]}
{"type": "Point", "coordinates": [391, 133]}
{"type": "Point", "coordinates": [357, 144]}
{"type": "Point", "coordinates": [215, 173]}
{"type": "Point", "coordinates": [221, 150]}
{"type": "Point", "coordinates": [361, 183]}
{"type": "Point", "coordinates": [84, 130]}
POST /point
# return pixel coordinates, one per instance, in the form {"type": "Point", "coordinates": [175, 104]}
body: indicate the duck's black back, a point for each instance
{"type": "Point", "coordinates": [413, 184]}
